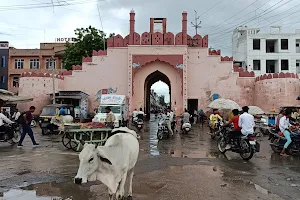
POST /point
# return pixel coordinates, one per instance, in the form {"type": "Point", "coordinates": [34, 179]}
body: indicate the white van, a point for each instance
{"type": "Point", "coordinates": [118, 105]}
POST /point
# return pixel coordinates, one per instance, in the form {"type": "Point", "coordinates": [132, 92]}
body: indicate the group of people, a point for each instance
{"type": "Point", "coordinates": [24, 120]}
{"type": "Point", "coordinates": [242, 124]}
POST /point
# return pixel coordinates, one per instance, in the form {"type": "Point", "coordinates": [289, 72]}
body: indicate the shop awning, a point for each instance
{"type": "Point", "coordinates": [9, 97]}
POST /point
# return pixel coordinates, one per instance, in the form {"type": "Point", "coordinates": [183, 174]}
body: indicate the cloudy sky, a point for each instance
{"type": "Point", "coordinates": [26, 23]}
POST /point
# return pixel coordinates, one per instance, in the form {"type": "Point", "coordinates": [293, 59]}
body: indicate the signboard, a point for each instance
{"type": "Point", "coordinates": [113, 99]}
{"type": "Point", "coordinates": [63, 40]}
{"type": "Point", "coordinates": [4, 45]}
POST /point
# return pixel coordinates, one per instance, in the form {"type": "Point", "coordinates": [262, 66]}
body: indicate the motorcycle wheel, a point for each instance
{"type": "Point", "coordinates": [16, 137]}
{"type": "Point", "coordinates": [44, 131]}
{"type": "Point", "coordinates": [160, 135]}
{"type": "Point", "coordinates": [250, 152]}
{"type": "Point", "coordinates": [222, 145]}
{"type": "Point", "coordinates": [33, 123]}
{"type": "Point", "coordinates": [274, 146]}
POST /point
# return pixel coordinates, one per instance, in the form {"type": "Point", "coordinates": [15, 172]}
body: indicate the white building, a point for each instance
{"type": "Point", "coordinates": [262, 53]}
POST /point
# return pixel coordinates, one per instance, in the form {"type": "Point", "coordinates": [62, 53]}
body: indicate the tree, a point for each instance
{"type": "Point", "coordinates": [161, 99]}
{"type": "Point", "coordinates": [87, 40]}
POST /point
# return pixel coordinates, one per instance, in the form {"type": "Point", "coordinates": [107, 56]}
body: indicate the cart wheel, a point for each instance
{"type": "Point", "coordinates": [68, 141]}
{"type": "Point", "coordinates": [85, 137]}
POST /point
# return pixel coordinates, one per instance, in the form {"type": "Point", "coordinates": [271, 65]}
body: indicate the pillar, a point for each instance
{"type": "Point", "coordinates": [184, 28]}
{"type": "Point", "coordinates": [164, 26]}
{"type": "Point", "coordinates": [131, 28]}
{"type": "Point", "coordinates": [151, 25]}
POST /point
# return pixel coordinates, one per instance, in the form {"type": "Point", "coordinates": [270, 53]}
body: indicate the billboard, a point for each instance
{"type": "Point", "coordinates": [63, 40]}
{"type": "Point", "coordinates": [4, 45]}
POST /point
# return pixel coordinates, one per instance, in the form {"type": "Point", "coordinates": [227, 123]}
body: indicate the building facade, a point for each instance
{"type": "Point", "coordinates": [262, 53]}
{"type": "Point", "coordinates": [195, 74]}
{"type": "Point", "coordinates": [46, 58]}
{"type": "Point", "coordinates": [4, 56]}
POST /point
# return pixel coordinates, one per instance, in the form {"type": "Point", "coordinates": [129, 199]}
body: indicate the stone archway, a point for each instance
{"type": "Point", "coordinates": [152, 72]}
{"type": "Point", "coordinates": [149, 81]}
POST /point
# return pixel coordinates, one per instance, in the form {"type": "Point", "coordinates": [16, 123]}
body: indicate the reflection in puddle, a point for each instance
{"type": "Point", "coordinates": [153, 141]}
{"type": "Point", "coordinates": [194, 154]}
{"type": "Point", "coordinates": [49, 191]}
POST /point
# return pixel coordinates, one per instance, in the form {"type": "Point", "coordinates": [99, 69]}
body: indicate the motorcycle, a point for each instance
{"type": "Point", "coordinates": [246, 146]}
{"type": "Point", "coordinates": [186, 127]}
{"type": "Point", "coordinates": [14, 135]}
{"type": "Point", "coordinates": [277, 141]}
{"type": "Point", "coordinates": [163, 131]}
{"type": "Point", "coordinates": [218, 128]}
{"type": "Point", "coordinates": [139, 124]}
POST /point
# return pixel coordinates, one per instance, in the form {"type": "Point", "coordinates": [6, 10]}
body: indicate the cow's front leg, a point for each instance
{"type": "Point", "coordinates": [110, 195]}
{"type": "Point", "coordinates": [121, 190]}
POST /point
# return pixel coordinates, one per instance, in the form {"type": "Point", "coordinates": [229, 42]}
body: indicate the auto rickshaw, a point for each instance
{"type": "Point", "coordinates": [51, 111]}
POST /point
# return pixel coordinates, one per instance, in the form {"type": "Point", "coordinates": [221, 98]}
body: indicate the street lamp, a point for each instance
{"type": "Point", "coordinates": [51, 65]}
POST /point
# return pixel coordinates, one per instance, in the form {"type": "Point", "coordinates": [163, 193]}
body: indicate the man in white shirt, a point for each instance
{"type": "Point", "coordinates": [284, 126]}
{"type": "Point", "coordinates": [3, 119]}
{"type": "Point", "coordinates": [134, 115]}
{"type": "Point", "coordinates": [169, 119]}
{"type": "Point", "coordinates": [16, 115]}
{"type": "Point", "coordinates": [140, 114]}
{"type": "Point", "coordinates": [246, 122]}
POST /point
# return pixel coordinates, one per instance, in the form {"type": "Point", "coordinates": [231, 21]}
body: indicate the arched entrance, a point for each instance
{"type": "Point", "coordinates": [149, 81]}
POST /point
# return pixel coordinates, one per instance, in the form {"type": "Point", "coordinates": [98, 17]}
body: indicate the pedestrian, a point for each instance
{"type": "Point", "coordinates": [25, 121]}
{"type": "Point", "coordinates": [195, 116]}
{"type": "Point", "coordinates": [202, 116]}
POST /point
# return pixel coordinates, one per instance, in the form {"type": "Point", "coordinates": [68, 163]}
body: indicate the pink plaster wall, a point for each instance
{"type": "Point", "coordinates": [104, 72]}
{"type": "Point", "coordinates": [39, 88]}
{"type": "Point", "coordinates": [207, 75]}
{"type": "Point", "coordinates": [276, 92]}
{"type": "Point", "coordinates": [169, 71]}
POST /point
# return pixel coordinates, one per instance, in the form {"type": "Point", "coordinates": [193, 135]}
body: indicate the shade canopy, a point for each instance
{"type": "Point", "coordinates": [224, 104]}
{"type": "Point", "coordinates": [254, 110]}
{"type": "Point", "coordinates": [10, 98]}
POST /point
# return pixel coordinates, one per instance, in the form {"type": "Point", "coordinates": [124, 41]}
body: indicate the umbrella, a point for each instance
{"type": "Point", "coordinates": [225, 104]}
{"type": "Point", "coordinates": [254, 110]}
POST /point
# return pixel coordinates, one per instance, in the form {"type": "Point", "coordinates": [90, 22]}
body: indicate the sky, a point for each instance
{"type": "Point", "coordinates": [26, 23]}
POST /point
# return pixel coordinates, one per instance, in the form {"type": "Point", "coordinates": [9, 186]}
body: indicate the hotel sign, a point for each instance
{"type": "Point", "coordinates": [64, 40]}
{"type": "Point", "coordinates": [4, 45]}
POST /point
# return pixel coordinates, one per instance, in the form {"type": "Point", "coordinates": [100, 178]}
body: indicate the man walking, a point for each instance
{"type": "Point", "coordinates": [25, 121]}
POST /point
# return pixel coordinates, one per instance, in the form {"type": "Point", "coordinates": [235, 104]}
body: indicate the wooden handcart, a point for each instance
{"type": "Point", "coordinates": [72, 138]}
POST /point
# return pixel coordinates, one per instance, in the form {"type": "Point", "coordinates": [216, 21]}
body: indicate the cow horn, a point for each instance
{"type": "Point", "coordinates": [82, 142]}
{"type": "Point", "coordinates": [96, 145]}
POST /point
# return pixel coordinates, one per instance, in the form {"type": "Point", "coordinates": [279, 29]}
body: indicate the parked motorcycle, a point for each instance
{"type": "Point", "coordinates": [163, 131]}
{"type": "Point", "coordinates": [218, 128]}
{"type": "Point", "coordinates": [277, 141]}
{"type": "Point", "coordinates": [246, 146]}
{"type": "Point", "coordinates": [11, 135]}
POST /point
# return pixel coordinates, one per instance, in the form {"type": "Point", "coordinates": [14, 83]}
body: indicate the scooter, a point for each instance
{"type": "Point", "coordinates": [186, 127]}
{"type": "Point", "coordinates": [163, 131]}
{"type": "Point", "coordinates": [14, 133]}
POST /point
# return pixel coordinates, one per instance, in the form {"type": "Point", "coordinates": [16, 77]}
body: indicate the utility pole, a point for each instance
{"type": "Point", "coordinates": [53, 76]}
{"type": "Point", "coordinates": [196, 25]}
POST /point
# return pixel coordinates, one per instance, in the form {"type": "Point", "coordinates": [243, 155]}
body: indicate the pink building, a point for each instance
{"type": "Point", "coordinates": [194, 74]}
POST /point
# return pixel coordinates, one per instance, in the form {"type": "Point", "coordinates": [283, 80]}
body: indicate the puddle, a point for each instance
{"type": "Point", "coordinates": [193, 154]}
{"type": "Point", "coordinates": [49, 191]}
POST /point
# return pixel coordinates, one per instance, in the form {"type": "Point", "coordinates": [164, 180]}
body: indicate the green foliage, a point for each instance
{"type": "Point", "coordinates": [161, 99]}
{"type": "Point", "coordinates": [87, 40]}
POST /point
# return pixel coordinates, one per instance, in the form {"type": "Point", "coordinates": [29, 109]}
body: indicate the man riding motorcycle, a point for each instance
{"type": "Point", "coordinates": [214, 117]}
{"type": "Point", "coordinates": [236, 132]}
{"type": "Point", "coordinates": [169, 118]}
{"type": "Point", "coordinates": [3, 128]}
{"type": "Point", "coordinates": [286, 128]}
{"type": "Point", "coordinates": [246, 122]}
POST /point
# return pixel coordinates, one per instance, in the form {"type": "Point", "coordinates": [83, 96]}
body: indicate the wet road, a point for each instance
{"type": "Point", "coordinates": [184, 167]}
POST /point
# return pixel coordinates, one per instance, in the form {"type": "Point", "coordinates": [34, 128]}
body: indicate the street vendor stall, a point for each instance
{"type": "Point", "coordinates": [76, 98]}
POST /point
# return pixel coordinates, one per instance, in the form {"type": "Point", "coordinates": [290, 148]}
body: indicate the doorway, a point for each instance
{"type": "Point", "coordinates": [192, 105]}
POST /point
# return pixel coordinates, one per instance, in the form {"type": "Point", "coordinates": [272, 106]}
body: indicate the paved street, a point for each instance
{"type": "Point", "coordinates": [185, 167]}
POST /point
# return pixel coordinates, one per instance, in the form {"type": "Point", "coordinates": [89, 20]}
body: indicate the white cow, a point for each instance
{"type": "Point", "coordinates": [112, 163]}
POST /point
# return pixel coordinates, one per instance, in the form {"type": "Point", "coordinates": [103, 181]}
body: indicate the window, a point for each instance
{"type": "Point", "coordinates": [19, 63]}
{"type": "Point", "coordinates": [34, 63]}
{"type": "Point", "coordinates": [3, 61]}
{"type": "Point", "coordinates": [50, 64]}
{"type": "Point", "coordinates": [256, 44]}
{"type": "Point", "coordinates": [2, 82]}
{"type": "Point", "coordinates": [15, 82]}
{"type": "Point", "coordinates": [256, 64]}
{"type": "Point", "coordinates": [297, 64]}
{"type": "Point", "coordinates": [297, 45]}
{"type": "Point", "coordinates": [284, 44]}
{"type": "Point", "coordinates": [284, 64]}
